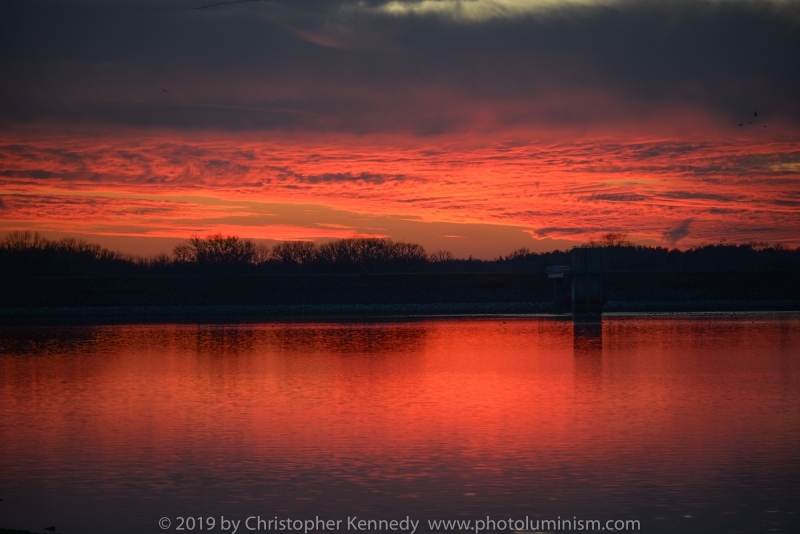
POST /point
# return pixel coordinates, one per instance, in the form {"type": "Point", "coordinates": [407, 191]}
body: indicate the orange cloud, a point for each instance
{"type": "Point", "coordinates": [734, 188]}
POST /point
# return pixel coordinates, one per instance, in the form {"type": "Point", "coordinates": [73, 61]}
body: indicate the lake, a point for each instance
{"type": "Point", "coordinates": [679, 424]}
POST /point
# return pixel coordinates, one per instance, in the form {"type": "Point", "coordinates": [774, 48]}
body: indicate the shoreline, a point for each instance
{"type": "Point", "coordinates": [385, 296]}
{"type": "Point", "coordinates": [247, 313]}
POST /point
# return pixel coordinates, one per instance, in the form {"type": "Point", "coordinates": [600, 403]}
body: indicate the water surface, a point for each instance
{"type": "Point", "coordinates": [687, 425]}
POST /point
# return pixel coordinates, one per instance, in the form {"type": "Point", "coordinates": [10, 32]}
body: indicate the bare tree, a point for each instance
{"type": "Point", "coordinates": [295, 253]}
{"type": "Point", "coordinates": [216, 250]}
{"type": "Point", "coordinates": [612, 239]}
{"type": "Point", "coordinates": [441, 256]}
{"type": "Point", "coordinates": [24, 241]}
{"type": "Point", "coordinates": [518, 254]}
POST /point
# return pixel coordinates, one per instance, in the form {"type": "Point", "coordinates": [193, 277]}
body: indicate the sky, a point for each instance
{"type": "Point", "coordinates": [475, 126]}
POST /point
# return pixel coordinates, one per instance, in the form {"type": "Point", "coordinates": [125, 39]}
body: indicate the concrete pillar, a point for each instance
{"type": "Point", "coordinates": [587, 285]}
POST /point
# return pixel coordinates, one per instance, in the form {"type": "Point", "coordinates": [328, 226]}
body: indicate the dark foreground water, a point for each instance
{"type": "Point", "coordinates": [685, 425]}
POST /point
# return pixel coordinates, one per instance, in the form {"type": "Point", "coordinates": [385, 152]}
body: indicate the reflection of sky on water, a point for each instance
{"type": "Point", "coordinates": [110, 428]}
{"type": "Point", "coordinates": [588, 347]}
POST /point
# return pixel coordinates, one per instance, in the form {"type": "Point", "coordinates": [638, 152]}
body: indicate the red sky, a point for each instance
{"type": "Point", "coordinates": [137, 124]}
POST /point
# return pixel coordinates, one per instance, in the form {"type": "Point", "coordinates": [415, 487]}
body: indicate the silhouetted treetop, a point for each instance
{"type": "Point", "coordinates": [612, 239]}
{"type": "Point", "coordinates": [30, 254]}
{"type": "Point", "coordinates": [294, 253]}
{"type": "Point", "coordinates": [27, 254]}
{"type": "Point", "coordinates": [217, 250]}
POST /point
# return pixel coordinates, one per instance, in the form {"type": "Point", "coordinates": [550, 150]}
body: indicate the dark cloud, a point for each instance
{"type": "Point", "coordinates": [542, 232]}
{"type": "Point", "coordinates": [225, 167]}
{"type": "Point", "coordinates": [618, 197]}
{"type": "Point", "coordinates": [372, 178]}
{"type": "Point", "coordinates": [686, 195]}
{"type": "Point", "coordinates": [348, 66]}
{"type": "Point", "coordinates": [422, 199]}
{"type": "Point", "coordinates": [32, 173]}
{"type": "Point", "coordinates": [2, 204]}
{"type": "Point", "coordinates": [679, 232]}
{"type": "Point", "coordinates": [337, 177]}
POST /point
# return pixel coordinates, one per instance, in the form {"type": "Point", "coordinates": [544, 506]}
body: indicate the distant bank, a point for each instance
{"type": "Point", "coordinates": [165, 298]}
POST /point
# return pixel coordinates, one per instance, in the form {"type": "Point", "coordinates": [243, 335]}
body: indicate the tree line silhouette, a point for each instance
{"type": "Point", "coordinates": [24, 254]}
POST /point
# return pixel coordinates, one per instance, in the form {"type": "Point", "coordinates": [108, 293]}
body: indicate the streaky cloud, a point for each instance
{"type": "Point", "coordinates": [677, 233]}
{"type": "Point", "coordinates": [618, 197]}
{"type": "Point", "coordinates": [483, 10]}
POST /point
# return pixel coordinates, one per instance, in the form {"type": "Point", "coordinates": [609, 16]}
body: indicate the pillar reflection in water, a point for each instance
{"type": "Point", "coordinates": [587, 344]}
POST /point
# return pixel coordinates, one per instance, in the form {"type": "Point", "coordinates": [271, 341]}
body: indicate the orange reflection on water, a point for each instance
{"type": "Point", "coordinates": [631, 416]}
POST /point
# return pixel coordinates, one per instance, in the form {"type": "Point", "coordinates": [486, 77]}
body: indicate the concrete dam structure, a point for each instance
{"type": "Point", "coordinates": [587, 284]}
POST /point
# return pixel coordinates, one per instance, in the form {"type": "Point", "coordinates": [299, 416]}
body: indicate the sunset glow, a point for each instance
{"type": "Point", "coordinates": [287, 121]}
